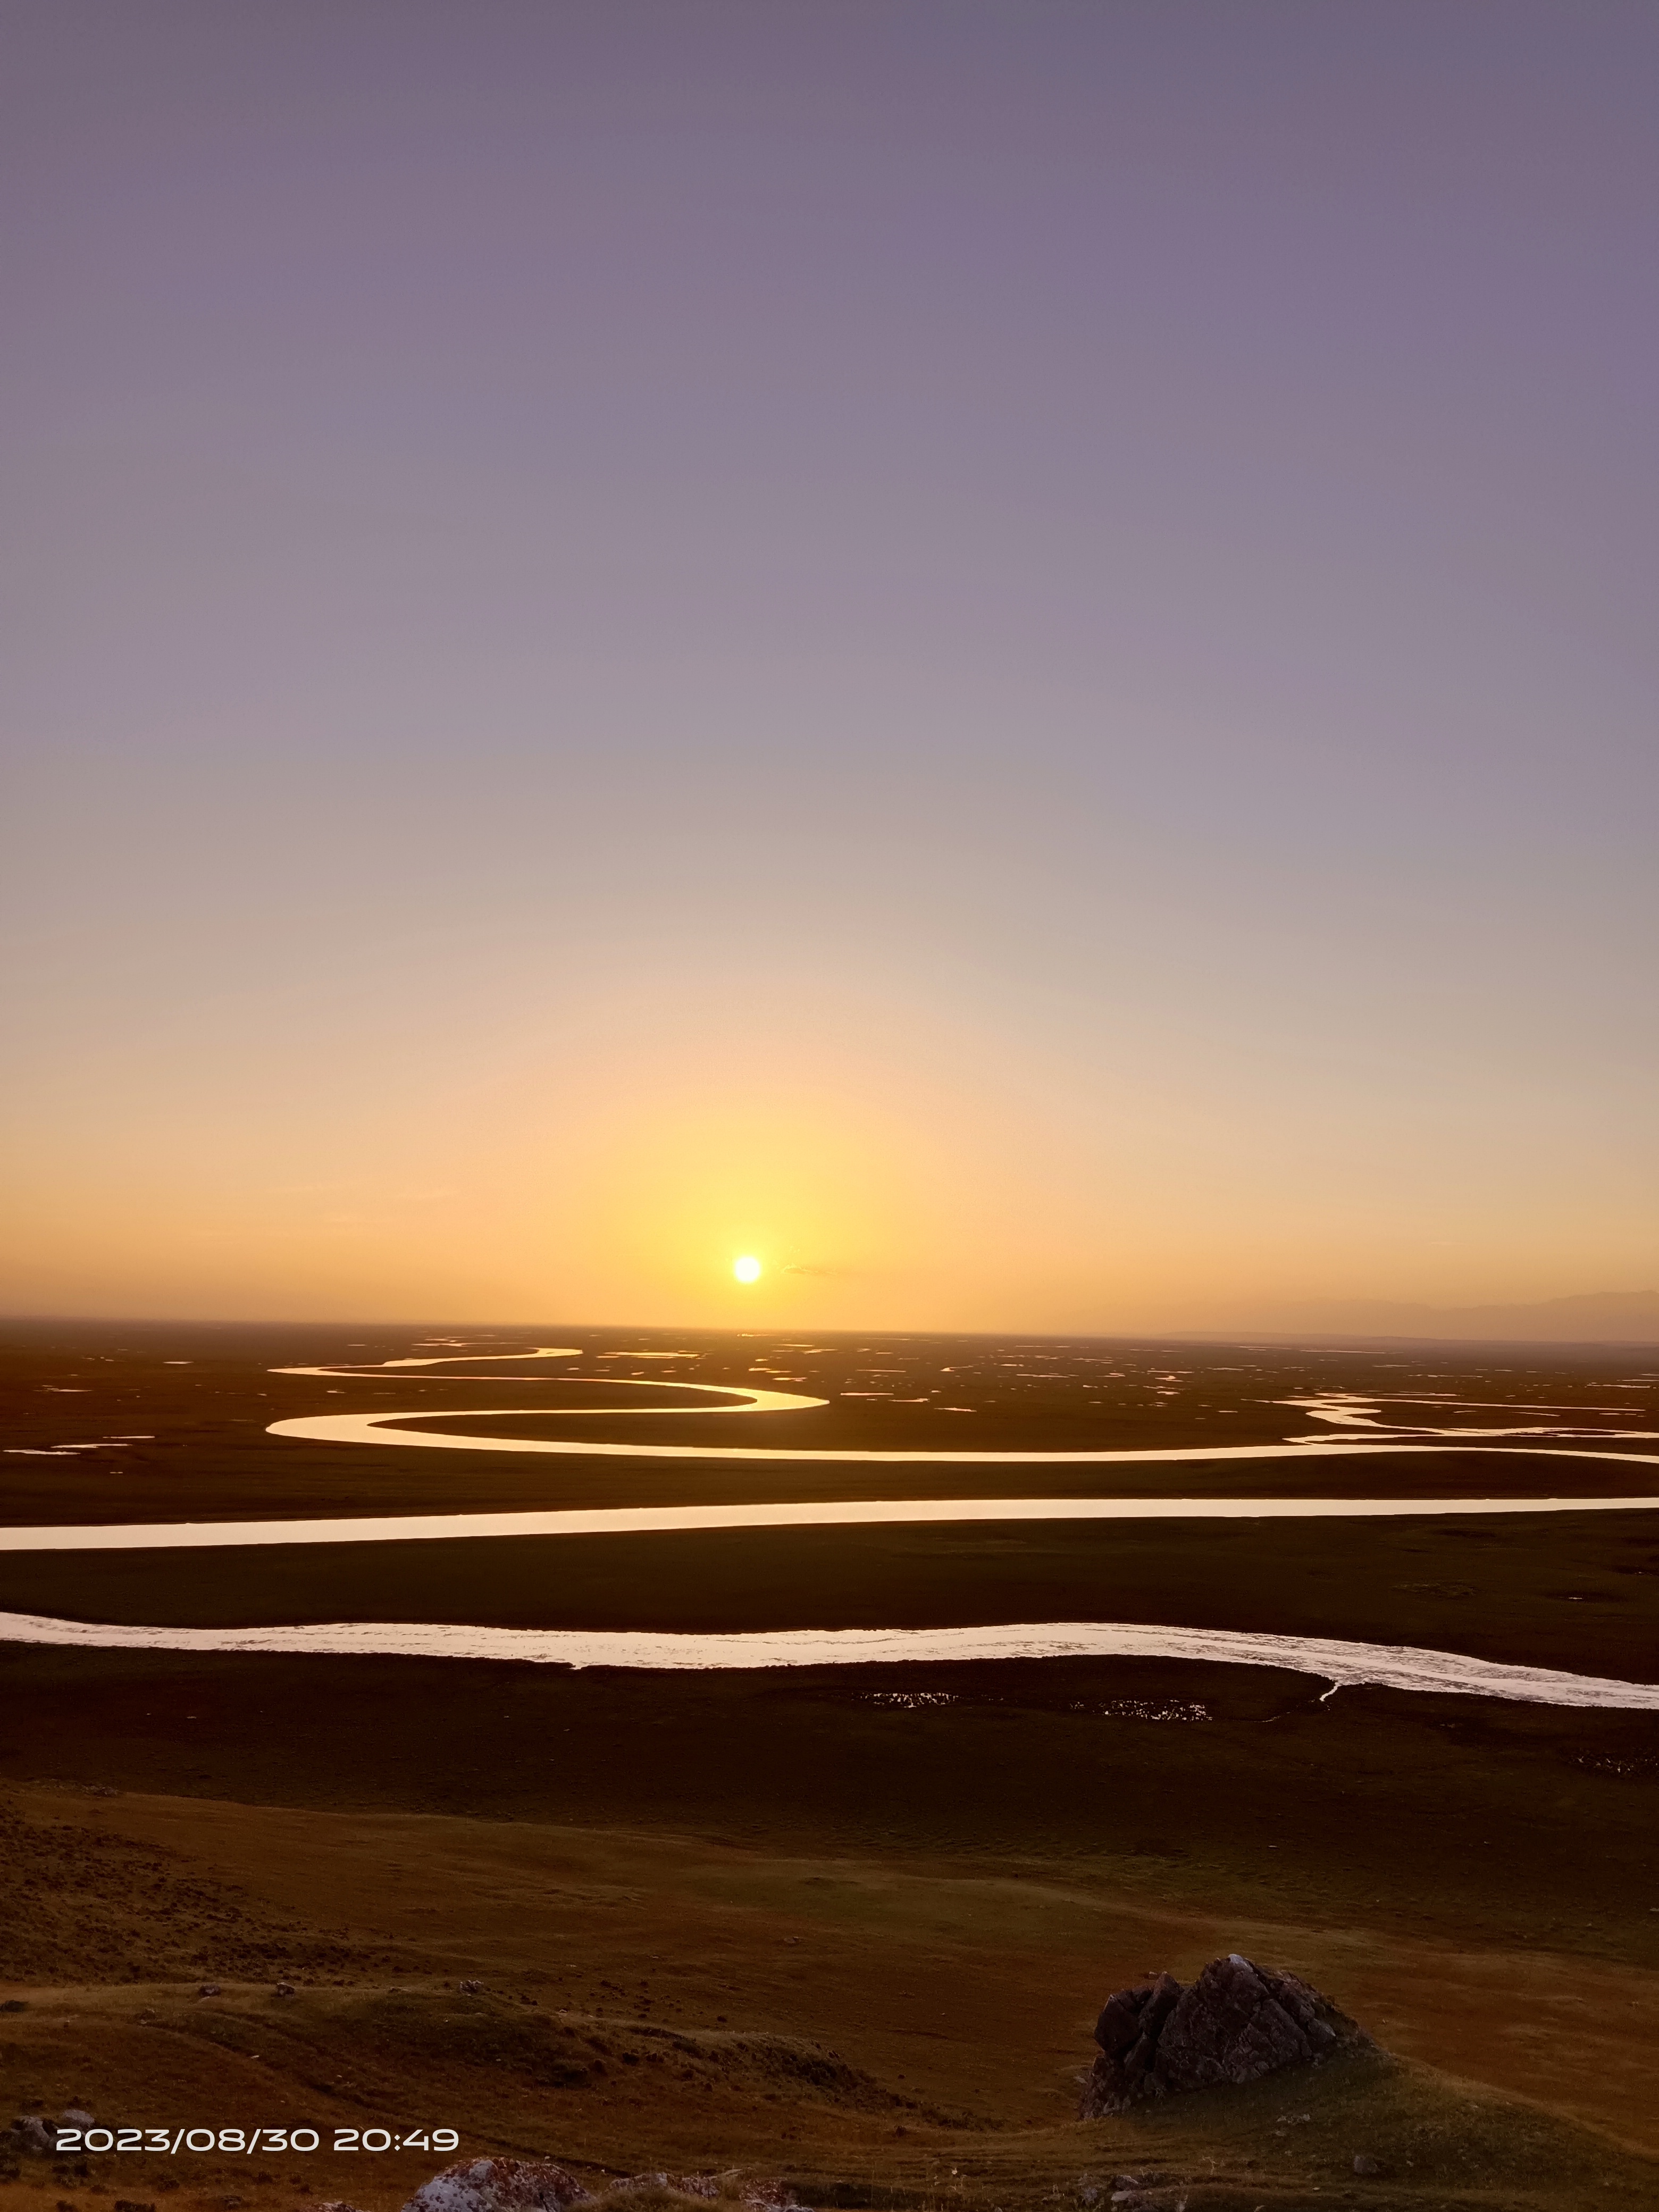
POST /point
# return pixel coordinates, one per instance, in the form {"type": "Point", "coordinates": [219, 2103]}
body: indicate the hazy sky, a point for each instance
{"type": "Point", "coordinates": [1005, 654]}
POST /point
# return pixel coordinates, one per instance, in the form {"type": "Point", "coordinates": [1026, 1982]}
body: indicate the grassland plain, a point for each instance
{"type": "Point", "coordinates": [848, 1924]}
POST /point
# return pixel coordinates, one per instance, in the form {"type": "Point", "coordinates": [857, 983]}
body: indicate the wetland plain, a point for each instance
{"type": "Point", "coordinates": [846, 1923]}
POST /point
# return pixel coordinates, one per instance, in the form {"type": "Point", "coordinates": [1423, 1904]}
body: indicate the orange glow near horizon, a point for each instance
{"type": "Point", "coordinates": [914, 1179]}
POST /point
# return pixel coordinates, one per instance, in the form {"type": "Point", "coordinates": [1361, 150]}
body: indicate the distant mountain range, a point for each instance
{"type": "Point", "coordinates": [1596, 1317]}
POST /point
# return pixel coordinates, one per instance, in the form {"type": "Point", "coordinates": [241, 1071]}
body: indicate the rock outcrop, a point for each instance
{"type": "Point", "coordinates": [40, 2137]}
{"type": "Point", "coordinates": [1236, 2022]}
{"type": "Point", "coordinates": [499, 2184]}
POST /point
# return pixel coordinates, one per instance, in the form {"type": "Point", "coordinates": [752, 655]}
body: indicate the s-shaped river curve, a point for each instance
{"type": "Point", "coordinates": [1341, 1409]}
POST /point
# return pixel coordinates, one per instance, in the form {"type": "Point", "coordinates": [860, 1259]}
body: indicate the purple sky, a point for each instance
{"type": "Point", "coordinates": [1005, 651]}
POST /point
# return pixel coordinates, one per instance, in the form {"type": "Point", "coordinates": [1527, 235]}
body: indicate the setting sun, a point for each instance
{"type": "Point", "coordinates": [747, 1270]}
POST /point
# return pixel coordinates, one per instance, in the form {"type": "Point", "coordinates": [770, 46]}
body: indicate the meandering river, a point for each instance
{"type": "Point", "coordinates": [1397, 1666]}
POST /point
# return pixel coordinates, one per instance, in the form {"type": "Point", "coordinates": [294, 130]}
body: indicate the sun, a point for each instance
{"type": "Point", "coordinates": [747, 1269]}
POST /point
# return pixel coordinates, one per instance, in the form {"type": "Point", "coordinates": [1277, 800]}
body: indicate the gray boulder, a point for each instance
{"type": "Point", "coordinates": [1235, 2023]}
{"type": "Point", "coordinates": [498, 2185]}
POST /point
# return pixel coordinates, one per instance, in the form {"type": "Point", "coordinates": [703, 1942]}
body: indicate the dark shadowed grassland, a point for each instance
{"type": "Point", "coordinates": [891, 2026]}
{"type": "Point", "coordinates": [1455, 1818]}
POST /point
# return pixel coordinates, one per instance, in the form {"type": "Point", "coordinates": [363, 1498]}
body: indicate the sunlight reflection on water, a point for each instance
{"type": "Point", "coordinates": [1341, 1664]}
